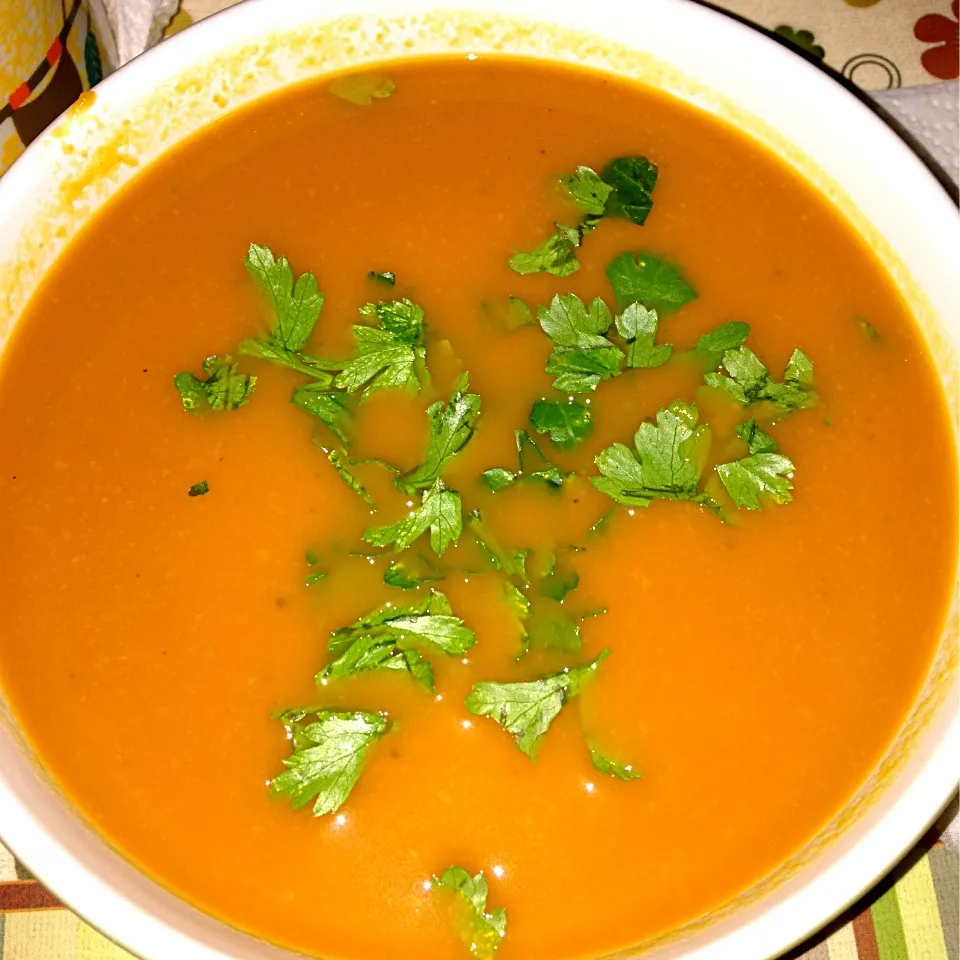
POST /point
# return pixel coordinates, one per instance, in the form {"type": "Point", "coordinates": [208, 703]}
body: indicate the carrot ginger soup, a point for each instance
{"type": "Point", "coordinates": [478, 508]}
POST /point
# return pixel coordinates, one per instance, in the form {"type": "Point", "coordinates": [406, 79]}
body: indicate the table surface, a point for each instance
{"type": "Point", "coordinates": [913, 913]}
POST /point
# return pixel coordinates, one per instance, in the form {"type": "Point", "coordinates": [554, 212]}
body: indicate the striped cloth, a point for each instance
{"type": "Point", "coordinates": [913, 915]}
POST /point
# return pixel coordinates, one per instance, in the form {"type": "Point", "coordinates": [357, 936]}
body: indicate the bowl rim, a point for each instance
{"type": "Point", "coordinates": [852, 864]}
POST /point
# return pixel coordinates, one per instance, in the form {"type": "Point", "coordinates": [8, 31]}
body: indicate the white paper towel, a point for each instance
{"type": "Point", "coordinates": [133, 25]}
{"type": "Point", "coordinates": [932, 115]}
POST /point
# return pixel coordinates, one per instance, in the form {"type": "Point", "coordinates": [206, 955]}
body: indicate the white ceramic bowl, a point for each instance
{"type": "Point", "coordinates": [689, 50]}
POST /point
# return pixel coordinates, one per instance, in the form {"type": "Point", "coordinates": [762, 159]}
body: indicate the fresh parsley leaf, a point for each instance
{"type": "Point", "coordinates": [532, 463]}
{"type": "Point", "coordinates": [589, 190]}
{"type": "Point", "coordinates": [765, 471]}
{"type": "Point", "coordinates": [373, 652]}
{"type": "Point", "coordinates": [611, 768]}
{"type": "Point", "coordinates": [869, 330]}
{"type": "Point", "coordinates": [632, 180]}
{"type": "Point", "coordinates": [480, 931]}
{"type": "Point", "coordinates": [315, 576]}
{"type": "Point", "coordinates": [387, 355]}
{"type": "Point", "coordinates": [553, 627]}
{"type": "Point", "coordinates": [567, 424]}
{"type": "Point", "coordinates": [451, 427]}
{"type": "Point", "coordinates": [526, 709]}
{"type": "Point", "coordinates": [315, 367]}
{"type": "Point", "coordinates": [600, 525]}
{"type": "Point", "coordinates": [666, 462]}
{"type": "Point", "coordinates": [432, 620]}
{"type": "Point", "coordinates": [404, 575]}
{"type": "Point", "coordinates": [648, 280]}
{"type": "Point", "coordinates": [581, 371]}
{"type": "Point", "coordinates": [439, 512]}
{"type": "Point", "coordinates": [388, 278]}
{"type": "Point", "coordinates": [584, 356]}
{"type": "Point", "coordinates": [756, 440]}
{"type": "Point", "coordinates": [517, 601]}
{"type": "Point", "coordinates": [511, 562]}
{"type": "Point", "coordinates": [638, 326]}
{"type": "Point", "coordinates": [199, 489]}
{"type": "Point", "coordinates": [361, 89]}
{"type": "Point", "coordinates": [509, 314]}
{"type": "Point", "coordinates": [569, 323]}
{"type": "Point", "coordinates": [558, 581]}
{"type": "Point", "coordinates": [384, 639]}
{"type": "Point", "coordinates": [294, 307]}
{"type": "Point", "coordinates": [557, 256]}
{"type": "Point", "coordinates": [222, 389]}
{"type": "Point", "coordinates": [337, 461]}
{"type": "Point", "coordinates": [496, 478]}
{"type": "Point", "coordinates": [330, 408]}
{"type": "Point", "coordinates": [713, 345]}
{"type": "Point", "coordinates": [328, 754]}
{"type": "Point", "coordinates": [747, 380]}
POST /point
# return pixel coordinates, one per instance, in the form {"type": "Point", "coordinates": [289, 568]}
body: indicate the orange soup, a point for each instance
{"type": "Point", "coordinates": [594, 566]}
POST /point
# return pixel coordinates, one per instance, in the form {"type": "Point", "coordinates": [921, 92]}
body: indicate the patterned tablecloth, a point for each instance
{"type": "Point", "coordinates": [913, 914]}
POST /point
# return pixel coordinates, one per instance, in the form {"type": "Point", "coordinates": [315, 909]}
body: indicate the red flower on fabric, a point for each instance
{"type": "Point", "coordinates": [943, 60]}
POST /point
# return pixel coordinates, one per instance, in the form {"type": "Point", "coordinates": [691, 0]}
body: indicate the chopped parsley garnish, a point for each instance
{"type": "Point", "coordinates": [361, 89]}
{"type": "Point", "coordinates": [526, 709]}
{"type": "Point", "coordinates": [747, 380]}
{"type": "Point", "coordinates": [199, 489]}
{"type": "Point", "coordinates": [569, 323]}
{"type": "Point", "coordinates": [388, 278]}
{"type": "Point", "coordinates": [337, 461]}
{"type": "Point", "coordinates": [638, 326]}
{"type": "Point", "coordinates": [439, 512]}
{"type": "Point", "coordinates": [552, 627]}
{"type": "Point", "coordinates": [764, 472]}
{"type": "Point", "coordinates": [315, 575]}
{"type": "Point", "coordinates": [623, 189]}
{"type": "Point", "coordinates": [531, 465]}
{"type": "Point", "coordinates": [406, 575]}
{"type": "Point", "coordinates": [384, 639]}
{"type": "Point", "coordinates": [713, 345]}
{"type": "Point", "coordinates": [581, 371]}
{"type": "Point", "coordinates": [222, 389]}
{"type": "Point", "coordinates": [370, 651]}
{"type": "Point", "coordinates": [611, 768]}
{"type": "Point", "coordinates": [588, 188]}
{"type": "Point", "coordinates": [332, 409]}
{"type": "Point", "coordinates": [632, 181]}
{"type": "Point", "coordinates": [497, 478]}
{"type": "Point", "coordinates": [566, 423]}
{"type": "Point", "coordinates": [509, 314]}
{"type": "Point", "coordinates": [869, 330]}
{"type": "Point", "coordinates": [756, 440]}
{"type": "Point", "coordinates": [511, 562]}
{"type": "Point", "coordinates": [649, 280]}
{"type": "Point", "coordinates": [666, 462]}
{"type": "Point", "coordinates": [451, 427]}
{"type": "Point", "coordinates": [557, 255]}
{"type": "Point", "coordinates": [480, 931]}
{"type": "Point", "coordinates": [328, 755]}
{"type": "Point", "coordinates": [583, 356]}
{"type": "Point", "coordinates": [558, 580]}
{"type": "Point", "coordinates": [390, 354]}
{"type": "Point", "coordinates": [294, 307]}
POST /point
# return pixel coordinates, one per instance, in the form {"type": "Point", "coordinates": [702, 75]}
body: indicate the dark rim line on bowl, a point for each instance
{"type": "Point", "coordinates": [943, 177]}
{"type": "Point", "coordinates": [844, 912]}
